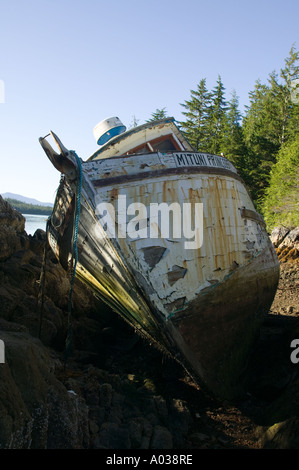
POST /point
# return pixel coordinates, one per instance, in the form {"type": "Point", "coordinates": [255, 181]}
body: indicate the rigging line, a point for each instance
{"type": "Point", "coordinates": [41, 282]}
{"type": "Point", "coordinates": [69, 339]}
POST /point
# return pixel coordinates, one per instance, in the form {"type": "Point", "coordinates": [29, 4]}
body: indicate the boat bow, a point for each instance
{"type": "Point", "coordinates": [65, 162]}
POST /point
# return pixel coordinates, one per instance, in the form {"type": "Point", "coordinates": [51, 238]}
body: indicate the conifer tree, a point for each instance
{"type": "Point", "coordinates": [289, 74]}
{"type": "Point", "coordinates": [134, 122]}
{"type": "Point", "coordinates": [267, 122]}
{"type": "Point", "coordinates": [232, 142]}
{"type": "Point", "coordinates": [254, 121]}
{"type": "Point", "coordinates": [293, 123]}
{"type": "Point", "coordinates": [280, 205]}
{"type": "Point", "coordinates": [158, 114]}
{"type": "Point", "coordinates": [216, 117]}
{"type": "Point", "coordinates": [197, 108]}
{"type": "Point", "coordinates": [261, 140]}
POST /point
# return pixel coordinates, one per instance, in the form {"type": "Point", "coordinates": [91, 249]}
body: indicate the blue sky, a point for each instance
{"type": "Point", "coordinates": [68, 64]}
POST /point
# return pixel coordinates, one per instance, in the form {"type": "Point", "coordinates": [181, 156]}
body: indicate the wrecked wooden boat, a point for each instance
{"type": "Point", "coordinates": [170, 239]}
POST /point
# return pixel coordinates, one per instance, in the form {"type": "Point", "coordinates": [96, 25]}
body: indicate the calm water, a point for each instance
{"type": "Point", "coordinates": [33, 222]}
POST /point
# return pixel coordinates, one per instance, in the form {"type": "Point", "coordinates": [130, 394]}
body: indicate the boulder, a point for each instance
{"type": "Point", "coordinates": [36, 410]}
{"type": "Point", "coordinates": [12, 229]}
{"type": "Point", "coordinates": [286, 243]}
{"type": "Point", "coordinates": [278, 234]}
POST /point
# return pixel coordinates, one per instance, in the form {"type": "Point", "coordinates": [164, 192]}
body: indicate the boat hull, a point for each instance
{"type": "Point", "coordinates": [203, 303]}
{"type": "Point", "coordinates": [220, 329]}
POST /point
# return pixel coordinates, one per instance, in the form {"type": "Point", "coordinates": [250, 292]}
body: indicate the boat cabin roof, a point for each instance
{"type": "Point", "coordinates": [154, 136]}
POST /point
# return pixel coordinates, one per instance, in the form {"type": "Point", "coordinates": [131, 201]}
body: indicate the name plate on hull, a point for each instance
{"type": "Point", "coordinates": [202, 159]}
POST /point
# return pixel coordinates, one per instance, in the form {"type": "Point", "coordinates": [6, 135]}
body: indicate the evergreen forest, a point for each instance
{"type": "Point", "coordinates": [263, 144]}
{"type": "Point", "coordinates": [26, 208]}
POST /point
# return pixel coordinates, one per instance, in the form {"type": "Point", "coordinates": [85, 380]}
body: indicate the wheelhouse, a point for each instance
{"type": "Point", "coordinates": [152, 137]}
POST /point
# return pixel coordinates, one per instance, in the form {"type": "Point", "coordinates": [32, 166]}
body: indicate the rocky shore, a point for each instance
{"type": "Point", "coordinates": [116, 391]}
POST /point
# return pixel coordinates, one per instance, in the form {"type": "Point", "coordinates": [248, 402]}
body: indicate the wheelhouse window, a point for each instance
{"type": "Point", "coordinates": [164, 146]}
{"type": "Point", "coordinates": [166, 143]}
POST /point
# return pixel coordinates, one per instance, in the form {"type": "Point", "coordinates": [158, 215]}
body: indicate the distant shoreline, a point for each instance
{"type": "Point", "coordinates": [32, 209]}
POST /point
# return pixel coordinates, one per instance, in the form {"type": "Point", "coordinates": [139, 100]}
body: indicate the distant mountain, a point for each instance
{"type": "Point", "coordinates": [27, 200]}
